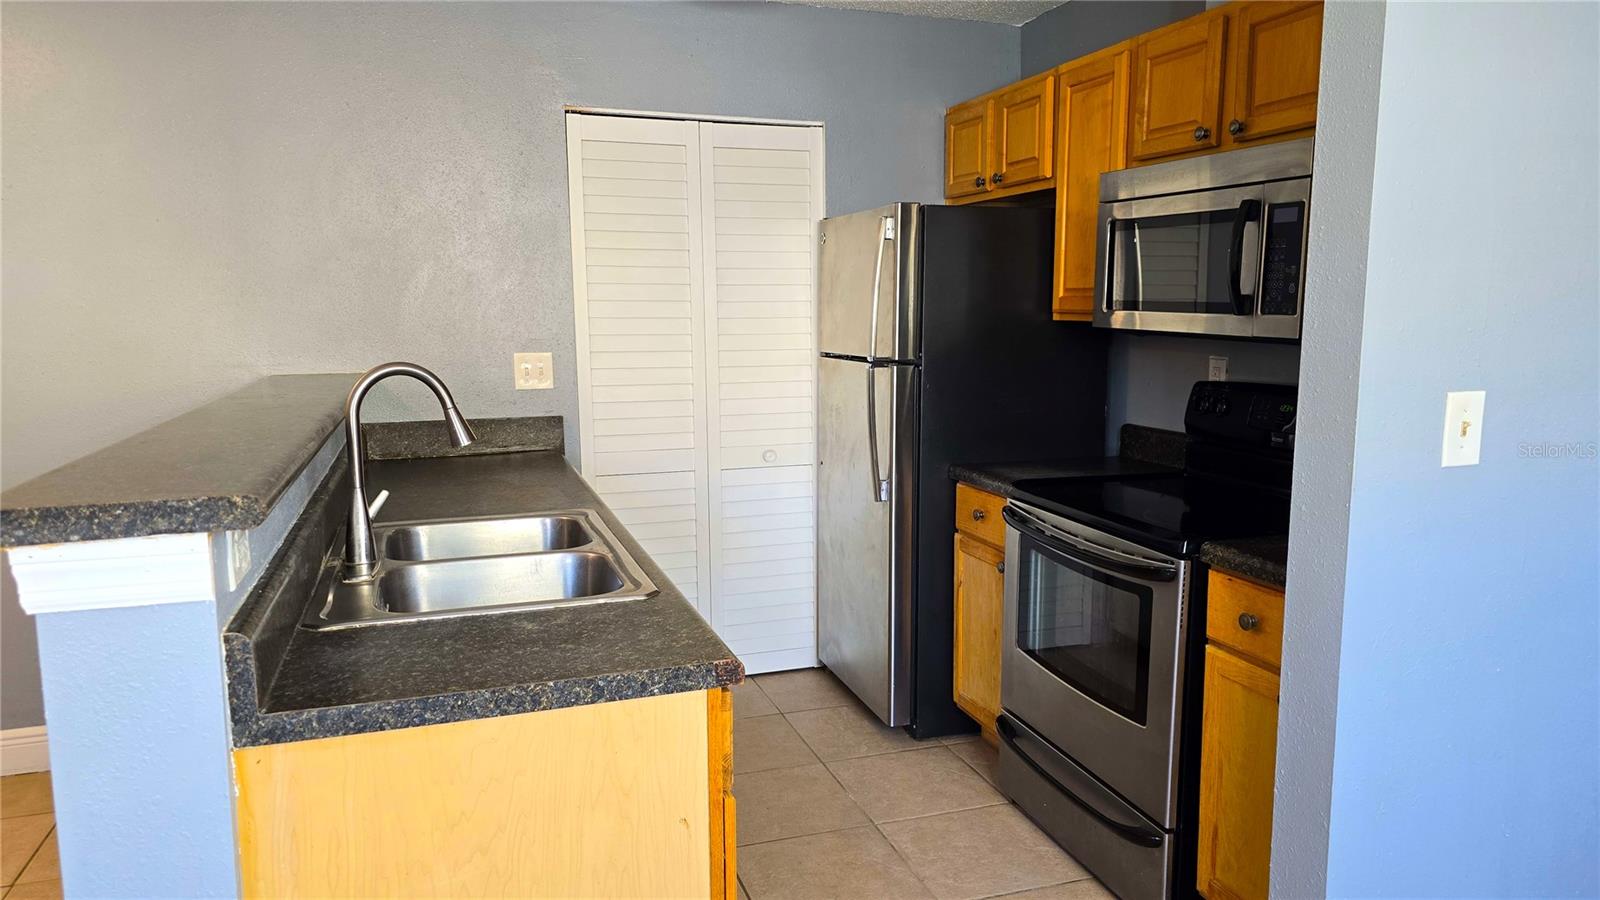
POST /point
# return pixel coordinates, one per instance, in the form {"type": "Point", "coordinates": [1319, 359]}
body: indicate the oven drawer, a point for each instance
{"type": "Point", "coordinates": [978, 515]}
{"type": "Point", "coordinates": [1123, 848]}
{"type": "Point", "coordinates": [1245, 616]}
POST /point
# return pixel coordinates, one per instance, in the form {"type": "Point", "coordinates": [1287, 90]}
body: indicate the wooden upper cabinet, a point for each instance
{"type": "Point", "coordinates": [1277, 52]}
{"type": "Point", "coordinates": [1024, 136]}
{"type": "Point", "coordinates": [1177, 87]}
{"type": "Point", "coordinates": [980, 588]}
{"type": "Point", "coordinates": [1238, 754]}
{"type": "Point", "coordinates": [966, 148]}
{"type": "Point", "coordinates": [1092, 129]}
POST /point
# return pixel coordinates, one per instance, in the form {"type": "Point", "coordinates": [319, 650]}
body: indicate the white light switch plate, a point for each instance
{"type": "Point", "coordinates": [1218, 369]}
{"type": "Point", "coordinates": [533, 371]}
{"type": "Point", "coordinates": [1463, 428]}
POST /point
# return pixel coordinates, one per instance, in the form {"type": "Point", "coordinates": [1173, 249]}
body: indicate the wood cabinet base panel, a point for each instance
{"type": "Point", "coordinates": [608, 800]}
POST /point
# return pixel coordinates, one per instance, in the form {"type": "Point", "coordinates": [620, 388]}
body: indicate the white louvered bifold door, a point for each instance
{"type": "Point", "coordinates": [694, 284]}
{"type": "Point", "coordinates": [761, 189]}
{"type": "Point", "coordinates": [638, 305]}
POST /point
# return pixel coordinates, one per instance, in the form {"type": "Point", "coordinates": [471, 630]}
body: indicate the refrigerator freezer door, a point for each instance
{"type": "Point", "coordinates": [866, 284]}
{"type": "Point", "coordinates": [865, 550]}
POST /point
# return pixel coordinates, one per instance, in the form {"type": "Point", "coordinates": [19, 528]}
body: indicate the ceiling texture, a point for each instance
{"type": "Point", "coordinates": [1000, 12]}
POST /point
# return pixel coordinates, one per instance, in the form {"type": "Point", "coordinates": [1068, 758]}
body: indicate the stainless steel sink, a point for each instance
{"type": "Point", "coordinates": [485, 537]}
{"type": "Point", "coordinates": [459, 567]}
{"type": "Point", "coordinates": [499, 581]}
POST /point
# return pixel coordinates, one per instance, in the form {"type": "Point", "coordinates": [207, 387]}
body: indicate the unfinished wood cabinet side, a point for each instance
{"type": "Point", "coordinates": [724, 827]}
{"type": "Point", "coordinates": [602, 800]}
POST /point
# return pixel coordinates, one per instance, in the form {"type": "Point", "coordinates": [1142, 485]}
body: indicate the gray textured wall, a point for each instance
{"type": "Point", "coordinates": [1084, 26]}
{"type": "Point", "coordinates": [201, 194]}
{"type": "Point", "coordinates": [1149, 376]}
{"type": "Point", "coordinates": [1319, 523]}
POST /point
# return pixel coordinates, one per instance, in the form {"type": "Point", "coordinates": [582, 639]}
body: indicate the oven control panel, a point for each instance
{"type": "Point", "coordinates": [1243, 413]}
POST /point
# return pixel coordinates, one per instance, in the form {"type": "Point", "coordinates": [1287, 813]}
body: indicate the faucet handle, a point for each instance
{"type": "Point", "coordinates": [377, 504]}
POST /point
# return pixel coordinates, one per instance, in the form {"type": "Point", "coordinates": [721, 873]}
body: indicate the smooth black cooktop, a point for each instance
{"type": "Point", "coordinates": [1174, 513]}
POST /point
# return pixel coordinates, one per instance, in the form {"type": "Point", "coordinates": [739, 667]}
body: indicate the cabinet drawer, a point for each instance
{"type": "Point", "coordinates": [978, 515]}
{"type": "Point", "coordinates": [1232, 604]}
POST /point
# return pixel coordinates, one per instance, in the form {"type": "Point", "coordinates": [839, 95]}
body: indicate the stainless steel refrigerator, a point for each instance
{"type": "Point", "coordinates": [937, 347]}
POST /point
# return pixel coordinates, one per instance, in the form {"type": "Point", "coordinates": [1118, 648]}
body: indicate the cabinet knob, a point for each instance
{"type": "Point", "coordinates": [1201, 133]}
{"type": "Point", "coordinates": [996, 178]}
{"type": "Point", "coordinates": [978, 182]}
{"type": "Point", "coordinates": [1001, 566]}
{"type": "Point", "coordinates": [1248, 622]}
{"type": "Point", "coordinates": [769, 456]}
{"type": "Point", "coordinates": [979, 515]}
{"type": "Point", "coordinates": [1235, 126]}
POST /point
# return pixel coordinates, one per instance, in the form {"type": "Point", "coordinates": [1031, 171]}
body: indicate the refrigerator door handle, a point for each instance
{"type": "Point", "coordinates": [880, 485]}
{"type": "Point", "coordinates": [885, 236]}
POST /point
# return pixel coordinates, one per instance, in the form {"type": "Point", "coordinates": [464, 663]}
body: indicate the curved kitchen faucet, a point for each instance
{"type": "Point", "coordinates": [361, 554]}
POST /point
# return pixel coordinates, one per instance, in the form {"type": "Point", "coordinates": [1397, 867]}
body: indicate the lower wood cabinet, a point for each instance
{"type": "Point", "coordinates": [624, 799]}
{"type": "Point", "coordinates": [980, 588]}
{"type": "Point", "coordinates": [1239, 738]}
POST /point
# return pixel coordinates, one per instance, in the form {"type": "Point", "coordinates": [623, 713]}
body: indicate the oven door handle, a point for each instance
{"type": "Point", "coordinates": [1133, 834]}
{"type": "Point", "coordinates": [1243, 304]}
{"type": "Point", "coordinates": [1086, 551]}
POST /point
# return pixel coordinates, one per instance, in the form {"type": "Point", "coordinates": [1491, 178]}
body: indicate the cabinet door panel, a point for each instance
{"type": "Point", "coordinates": [1177, 88]}
{"type": "Point", "coordinates": [1092, 117]}
{"type": "Point", "coordinates": [1238, 751]}
{"type": "Point", "coordinates": [966, 149]}
{"type": "Point", "coordinates": [1277, 50]}
{"type": "Point", "coordinates": [1024, 139]}
{"type": "Point", "coordinates": [979, 595]}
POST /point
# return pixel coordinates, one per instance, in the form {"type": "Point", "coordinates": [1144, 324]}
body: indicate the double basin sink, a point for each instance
{"type": "Point", "coordinates": [455, 567]}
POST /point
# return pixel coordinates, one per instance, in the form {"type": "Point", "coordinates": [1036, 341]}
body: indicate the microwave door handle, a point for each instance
{"type": "Point", "coordinates": [1111, 299]}
{"type": "Point", "coordinates": [1087, 552]}
{"type": "Point", "coordinates": [1243, 304]}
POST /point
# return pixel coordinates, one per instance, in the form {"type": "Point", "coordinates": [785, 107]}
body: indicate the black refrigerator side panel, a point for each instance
{"type": "Point", "coordinates": [1001, 382]}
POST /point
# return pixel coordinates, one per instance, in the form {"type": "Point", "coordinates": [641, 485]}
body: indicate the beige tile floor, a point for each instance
{"type": "Point", "coordinates": [833, 804]}
{"type": "Point", "coordinates": [30, 867]}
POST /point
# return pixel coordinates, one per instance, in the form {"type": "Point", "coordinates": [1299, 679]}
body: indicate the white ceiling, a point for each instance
{"type": "Point", "coordinates": [1001, 12]}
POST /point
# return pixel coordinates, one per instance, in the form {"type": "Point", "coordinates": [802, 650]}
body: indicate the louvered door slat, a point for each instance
{"type": "Point", "coordinates": [637, 262]}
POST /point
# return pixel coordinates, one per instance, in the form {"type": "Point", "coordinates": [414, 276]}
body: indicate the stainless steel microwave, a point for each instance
{"type": "Point", "coordinates": [1210, 245]}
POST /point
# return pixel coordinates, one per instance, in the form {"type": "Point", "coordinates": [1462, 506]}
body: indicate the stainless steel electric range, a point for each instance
{"type": "Point", "coordinates": [1103, 631]}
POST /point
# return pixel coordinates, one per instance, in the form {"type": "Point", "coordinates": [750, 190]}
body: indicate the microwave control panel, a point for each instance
{"type": "Point", "coordinates": [1280, 289]}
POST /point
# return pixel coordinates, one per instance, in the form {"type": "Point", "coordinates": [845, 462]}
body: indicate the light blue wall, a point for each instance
{"type": "Point", "coordinates": [1465, 758]}
{"type": "Point", "coordinates": [139, 751]}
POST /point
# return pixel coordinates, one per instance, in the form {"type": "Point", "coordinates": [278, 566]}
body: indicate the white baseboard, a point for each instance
{"type": "Point", "coordinates": [24, 750]}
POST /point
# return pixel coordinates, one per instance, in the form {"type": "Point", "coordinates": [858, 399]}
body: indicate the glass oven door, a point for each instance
{"type": "Point", "coordinates": [1093, 646]}
{"type": "Point", "coordinates": [1089, 628]}
{"type": "Point", "coordinates": [1184, 263]}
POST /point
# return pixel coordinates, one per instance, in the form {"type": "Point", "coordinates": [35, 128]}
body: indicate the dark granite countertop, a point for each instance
{"type": "Point", "coordinates": [217, 467]}
{"type": "Point", "coordinates": [1264, 559]}
{"type": "Point", "coordinates": [1143, 450]}
{"type": "Point", "coordinates": [287, 684]}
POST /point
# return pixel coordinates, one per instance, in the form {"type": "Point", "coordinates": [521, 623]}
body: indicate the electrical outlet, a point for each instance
{"type": "Point", "coordinates": [1218, 369]}
{"type": "Point", "coordinates": [533, 371]}
{"type": "Point", "coordinates": [238, 558]}
{"type": "Point", "coordinates": [1463, 428]}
